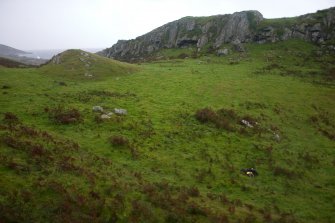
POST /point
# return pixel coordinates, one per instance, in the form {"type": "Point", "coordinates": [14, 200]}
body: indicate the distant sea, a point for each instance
{"type": "Point", "coordinates": [48, 54]}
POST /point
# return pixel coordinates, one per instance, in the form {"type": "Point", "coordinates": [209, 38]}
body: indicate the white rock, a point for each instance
{"type": "Point", "coordinates": [97, 108]}
{"type": "Point", "coordinates": [120, 111]}
{"type": "Point", "coordinates": [246, 123]}
{"type": "Point", "coordinates": [104, 116]}
{"type": "Point", "coordinates": [276, 137]}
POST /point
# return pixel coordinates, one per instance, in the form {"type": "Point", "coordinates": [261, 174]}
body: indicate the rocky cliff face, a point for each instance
{"type": "Point", "coordinates": [214, 31]}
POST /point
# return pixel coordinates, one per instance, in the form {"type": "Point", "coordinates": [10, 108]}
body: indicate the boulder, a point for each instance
{"type": "Point", "coordinates": [84, 54]}
{"type": "Point", "coordinates": [88, 74]}
{"type": "Point", "coordinates": [222, 52]}
{"type": "Point", "coordinates": [202, 41]}
{"type": "Point", "coordinates": [56, 59]}
{"type": "Point", "coordinates": [246, 123]}
{"type": "Point", "coordinates": [104, 116]}
{"type": "Point", "coordinates": [237, 45]}
{"type": "Point", "coordinates": [97, 108]}
{"type": "Point", "coordinates": [120, 111]}
{"type": "Point", "coordinates": [276, 137]}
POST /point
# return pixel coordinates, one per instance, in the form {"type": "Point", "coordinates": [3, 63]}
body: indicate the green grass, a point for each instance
{"type": "Point", "coordinates": [79, 65]}
{"type": "Point", "coordinates": [173, 167]}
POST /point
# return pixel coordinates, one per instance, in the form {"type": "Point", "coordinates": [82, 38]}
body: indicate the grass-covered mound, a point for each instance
{"type": "Point", "coordinates": [81, 65]}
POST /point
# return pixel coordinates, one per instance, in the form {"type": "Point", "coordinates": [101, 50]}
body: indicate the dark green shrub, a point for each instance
{"type": "Point", "coordinates": [118, 140]}
{"type": "Point", "coordinates": [206, 115]}
{"type": "Point", "coordinates": [10, 118]}
{"type": "Point", "coordinates": [60, 115]}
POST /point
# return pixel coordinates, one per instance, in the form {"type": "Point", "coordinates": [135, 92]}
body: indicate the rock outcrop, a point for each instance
{"type": "Point", "coordinates": [215, 31]}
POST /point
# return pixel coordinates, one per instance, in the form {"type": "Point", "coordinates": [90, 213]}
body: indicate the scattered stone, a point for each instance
{"type": "Point", "coordinates": [238, 45]}
{"type": "Point", "coordinates": [84, 54]}
{"type": "Point", "coordinates": [97, 108]}
{"type": "Point", "coordinates": [222, 52]}
{"type": "Point", "coordinates": [104, 116]}
{"type": "Point", "coordinates": [276, 137]}
{"type": "Point", "coordinates": [120, 111]}
{"type": "Point", "coordinates": [56, 59]}
{"type": "Point", "coordinates": [88, 74]}
{"type": "Point", "coordinates": [110, 113]}
{"type": "Point", "coordinates": [246, 123]}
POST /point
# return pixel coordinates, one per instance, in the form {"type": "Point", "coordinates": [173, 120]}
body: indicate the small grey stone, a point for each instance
{"type": "Point", "coordinates": [222, 52]}
{"type": "Point", "coordinates": [120, 111]}
{"type": "Point", "coordinates": [88, 74]}
{"type": "Point", "coordinates": [276, 137]}
{"type": "Point", "coordinates": [97, 108]}
{"type": "Point", "coordinates": [104, 116]}
{"type": "Point", "coordinates": [246, 123]}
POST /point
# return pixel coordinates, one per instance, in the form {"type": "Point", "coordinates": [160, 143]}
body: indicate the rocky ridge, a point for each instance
{"type": "Point", "coordinates": [215, 31]}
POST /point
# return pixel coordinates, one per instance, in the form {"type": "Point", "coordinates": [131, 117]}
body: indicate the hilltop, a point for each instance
{"type": "Point", "coordinates": [78, 64]}
{"type": "Point", "coordinates": [214, 33]}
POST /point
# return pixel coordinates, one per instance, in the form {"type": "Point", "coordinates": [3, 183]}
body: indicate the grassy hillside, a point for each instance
{"type": "Point", "coordinates": [177, 154]}
{"type": "Point", "coordinates": [5, 62]}
{"type": "Point", "coordinates": [81, 65]}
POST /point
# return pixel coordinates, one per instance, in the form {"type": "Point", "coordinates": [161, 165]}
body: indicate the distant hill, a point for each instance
{"type": "Point", "coordinates": [10, 51]}
{"type": "Point", "coordinates": [5, 62]}
{"type": "Point", "coordinates": [215, 32]}
{"type": "Point", "coordinates": [20, 56]}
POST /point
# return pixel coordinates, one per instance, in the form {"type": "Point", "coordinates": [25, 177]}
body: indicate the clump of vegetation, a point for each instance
{"type": "Point", "coordinates": [223, 118]}
{"type": "Point", "coordinates": [281, 171]}
{"type": "Point", "coordinates": [61, 115]}
{"type": "Point", "coordinates": [119, 140]}
{"type": "Point", "coordinates": [183, 56]}
{"type": "Point", "coordinates": [193, 192]}
{"type": "Point", "coordinates": [10, 118]}
{"type": "Point", "coordinates": [206, 115]}
{"type": "Point", "coordinates": [226, 119]}
{"type": "Point", "coordinates": [5, 86]}
{"type": "Point", "coordinates": [323, 121]}
{"type": "Point", "coordinates": [309, 159]}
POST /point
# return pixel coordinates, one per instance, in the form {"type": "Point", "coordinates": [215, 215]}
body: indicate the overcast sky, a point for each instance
{"type": "Point", "coordinates": [63, 24]}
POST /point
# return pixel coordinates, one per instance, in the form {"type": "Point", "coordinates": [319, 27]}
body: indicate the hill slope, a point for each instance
{"type": "Point", "coordinates": [215, 31]}
{"type": "Point", "coordinates": [6, 62]}
{"type": "Point", "coordinates": [176, 156]}
{"type": "Point", "coordinates": [78, 64]}
{"type": "Point", "coordinates": [10, 51]}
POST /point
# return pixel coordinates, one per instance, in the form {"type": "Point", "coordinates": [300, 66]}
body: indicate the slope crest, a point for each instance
{"type": "Point", "coordinates": [78, 64]}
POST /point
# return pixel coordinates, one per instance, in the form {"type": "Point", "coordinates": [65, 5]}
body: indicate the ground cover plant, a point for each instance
{"type": "Point", "coordinates": [191, 125]}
